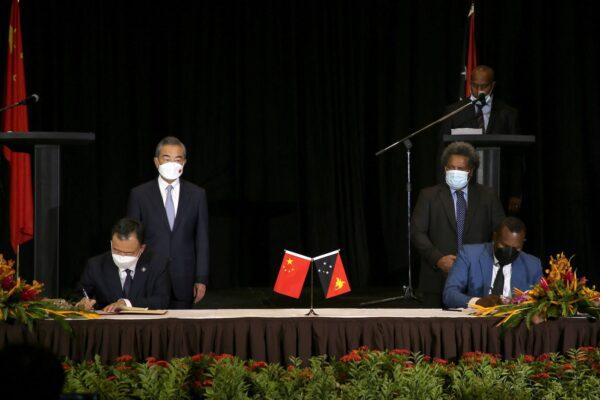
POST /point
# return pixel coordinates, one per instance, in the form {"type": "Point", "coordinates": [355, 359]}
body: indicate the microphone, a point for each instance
{"type": "Point", "coordinates": [34, 98]}
{"type": "Point", "coordinates": [480, 99]}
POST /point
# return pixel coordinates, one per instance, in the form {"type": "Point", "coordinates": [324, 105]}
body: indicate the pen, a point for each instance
{"type": "Point", "coordinates": [85, 294]}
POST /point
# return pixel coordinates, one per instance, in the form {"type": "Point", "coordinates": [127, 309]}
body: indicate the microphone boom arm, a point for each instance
{"type": "Point", "coordinates": [437, 121]}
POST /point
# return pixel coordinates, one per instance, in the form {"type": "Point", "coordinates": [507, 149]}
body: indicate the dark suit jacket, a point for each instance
{"type": "Point", "coordinates": [150, 288]}
{"type": "Point", "coordinates": [187, 245]}
{"type": "Point", "coordinates": [504, 120]}
{"type": "Point", "coordinates": [434, 229]}
{"type": "Point", "coordinates": [471, 275]}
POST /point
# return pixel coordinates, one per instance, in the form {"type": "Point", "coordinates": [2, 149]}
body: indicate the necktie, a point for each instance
{"type": "Point", "coordinates": [127, 284]}
{"type": "Point", "coordinates": [170, 207]}
{"type": "Point", "coordinates": [480, 120]}
{"type": "Point", "coordinates": [461, 211]}
{"type": "Point", "coordinates": [498, 286]}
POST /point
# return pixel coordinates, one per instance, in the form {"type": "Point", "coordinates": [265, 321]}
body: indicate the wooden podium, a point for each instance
{"type": "Point", "coordinates": [45, 148]}
{"type": "Point", "coordinates": [489, 148]}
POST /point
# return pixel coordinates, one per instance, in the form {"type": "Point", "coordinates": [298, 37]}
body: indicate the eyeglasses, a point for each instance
{"type": "Point", "coordinates": [123, 253]}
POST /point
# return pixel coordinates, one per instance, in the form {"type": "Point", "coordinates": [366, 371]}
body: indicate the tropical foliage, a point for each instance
{"type": "Point", "coordinates": [558, 294]}
{"type": "Point", "coordinates": [22, 302]}
{"type": "Point", "coordinates": [361, 374]}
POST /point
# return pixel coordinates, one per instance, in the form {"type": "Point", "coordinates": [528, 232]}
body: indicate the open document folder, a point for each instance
{"type": "Point", "coordinates": [133, 310]}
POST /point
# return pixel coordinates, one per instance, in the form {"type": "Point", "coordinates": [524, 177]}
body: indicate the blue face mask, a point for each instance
{"type": "Point", "coordinates": [457, 179]}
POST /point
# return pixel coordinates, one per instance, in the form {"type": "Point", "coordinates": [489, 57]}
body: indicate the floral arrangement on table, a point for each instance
{"type": "Point", "coordinates": [559, 294]}
{"type": "Point", "coordinates": [363, 373]}
{"type": "Point", "coordinates": [21, 302]}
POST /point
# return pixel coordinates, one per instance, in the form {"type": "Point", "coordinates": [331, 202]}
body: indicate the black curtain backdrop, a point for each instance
{"type": "Point", "coordinates": [282, 105]}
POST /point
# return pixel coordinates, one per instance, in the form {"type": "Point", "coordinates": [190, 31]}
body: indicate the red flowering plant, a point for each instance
{"type": "Point", "coordinates": [558, 294]}
{"type": "Point", "coordinates": [477, 375]}
{"type": "Point", "coordinates": [22, 302]}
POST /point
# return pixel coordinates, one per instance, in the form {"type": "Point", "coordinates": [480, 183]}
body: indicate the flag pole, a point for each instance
{"type": "Point", "coordinates": [18, 260]}
{"type": "Point", "coordinates": [312, 283]}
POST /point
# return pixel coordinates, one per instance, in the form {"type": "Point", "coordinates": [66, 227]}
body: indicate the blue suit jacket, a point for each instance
{"type": "Point", "coordinates": [186, 246]}
{"type": "Point", "coordinates": [471, 274]}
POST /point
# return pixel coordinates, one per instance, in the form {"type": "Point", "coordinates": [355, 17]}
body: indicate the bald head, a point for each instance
{"type": "Point", "coordinates": [482, 80]}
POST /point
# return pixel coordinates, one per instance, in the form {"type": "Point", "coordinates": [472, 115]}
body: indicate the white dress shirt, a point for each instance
{"type": "Point", "coordinates": [505, 290]}
{"type": "Point", "coordinates": [507, 274]}
{"type": "Point", "coordinates": [162, 184]}
{"type": "Point", "coordinates": [487, 109]}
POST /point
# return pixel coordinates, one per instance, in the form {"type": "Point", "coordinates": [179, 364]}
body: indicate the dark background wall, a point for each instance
{"type": "Point", "coordinates": [282, 105]}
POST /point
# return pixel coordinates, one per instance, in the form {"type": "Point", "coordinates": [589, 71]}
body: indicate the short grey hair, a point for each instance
{"type": "Point", "coordinates": [169, 140]}
{"type": "Point", "coordinates": [461, 149]}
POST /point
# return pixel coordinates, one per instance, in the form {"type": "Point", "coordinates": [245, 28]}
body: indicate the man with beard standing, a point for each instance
{"type": "Point", "coordinates": [449, 215]}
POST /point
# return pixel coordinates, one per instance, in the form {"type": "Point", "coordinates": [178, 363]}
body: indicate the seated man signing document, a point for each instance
{"type": "Point", "coordinates": [129, 275]}
{"type": "Point", "coordinates": [486, 274]}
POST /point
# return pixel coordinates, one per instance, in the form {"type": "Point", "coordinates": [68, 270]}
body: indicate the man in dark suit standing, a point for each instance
{"type": "Point", "coordinates": [449, 215]}
{"type": "Point", "coordinates": [492, 117]}
{"type": "Point", "coordinates": [127, 275]}
{"type": "Point", "coordinates": [174, 213]}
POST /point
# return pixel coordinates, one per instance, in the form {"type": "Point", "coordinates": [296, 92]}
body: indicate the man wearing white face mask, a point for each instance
{"type": "Point", "coordinates": [127, 275]}
{"type": "Point", "coordinates": [175, 215]}
{"type": "Point", "coordinates": [449, 215]}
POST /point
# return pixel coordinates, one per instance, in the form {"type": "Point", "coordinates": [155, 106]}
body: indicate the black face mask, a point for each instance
{"type": "Point", "coordinates": [506, 255]}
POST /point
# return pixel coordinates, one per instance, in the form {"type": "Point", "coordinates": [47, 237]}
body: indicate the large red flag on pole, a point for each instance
{"type": "Point", "coordinates": [469, 55]}
{"type": "Point", "coordinates": [15, 119]}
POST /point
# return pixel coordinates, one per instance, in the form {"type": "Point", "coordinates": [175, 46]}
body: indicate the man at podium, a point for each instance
{"type": "Point", "coordinates": [491, 116]}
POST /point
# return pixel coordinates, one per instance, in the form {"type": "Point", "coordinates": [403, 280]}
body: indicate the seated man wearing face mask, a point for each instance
{"type": "Point", "coordinates": [487, 274]}
{"type": "Point", "coordinates": [127, 275]}
{"type": "Point", "coordinates": [175, 214]}
{"type": "Point", "coordinates": [450, 215]}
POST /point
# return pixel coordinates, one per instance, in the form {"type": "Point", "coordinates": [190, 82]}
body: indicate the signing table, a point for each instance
{"type": "Point", "coordinates": [274, 335]}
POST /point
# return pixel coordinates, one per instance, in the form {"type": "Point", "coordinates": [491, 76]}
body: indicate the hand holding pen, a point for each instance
{"type": "Point", "coordinates": [86, 303]}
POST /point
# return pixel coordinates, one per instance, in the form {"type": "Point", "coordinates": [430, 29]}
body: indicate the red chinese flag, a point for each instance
{"type": "Point", "coordinates": [292, 274]}
{"type": "Point", "coordinates": [471, 59]}
{"type": "Point", "coordinates": [332, 274]}
{"type": "Point", "coordinates": [15, 119]}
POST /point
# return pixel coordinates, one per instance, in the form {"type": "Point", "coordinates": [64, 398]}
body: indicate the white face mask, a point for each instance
{"type": "Point", "coordinates": [125, 262]}
{"type": "Point", "coordinates": [457, 179]}
{"type": "Point", "coordinates": [170, 170]}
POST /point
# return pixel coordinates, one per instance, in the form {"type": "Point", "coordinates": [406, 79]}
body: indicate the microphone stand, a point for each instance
{"type": "Point", "coordinates": [20, 103]}
{"type": "Point", "coordinates": [408, 289]}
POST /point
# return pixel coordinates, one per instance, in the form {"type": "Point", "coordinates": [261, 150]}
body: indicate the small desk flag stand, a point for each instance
{"type": "Point", "coordinates": [312, 285]}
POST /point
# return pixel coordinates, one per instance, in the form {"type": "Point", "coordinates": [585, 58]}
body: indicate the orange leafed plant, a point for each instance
{"type": "Point", "coordinates": [20, 301]}
{"type": "Point", "coordinates": [558, 294]}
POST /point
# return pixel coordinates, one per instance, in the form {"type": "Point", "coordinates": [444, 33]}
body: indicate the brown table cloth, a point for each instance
{"type": "Point", "coordinates": [275, 339]}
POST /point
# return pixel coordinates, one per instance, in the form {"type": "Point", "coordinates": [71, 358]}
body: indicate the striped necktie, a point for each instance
{"type": "Point", "coordinates": [461, 211]}
{"type": "Point", "coordinates": [480, 120]}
